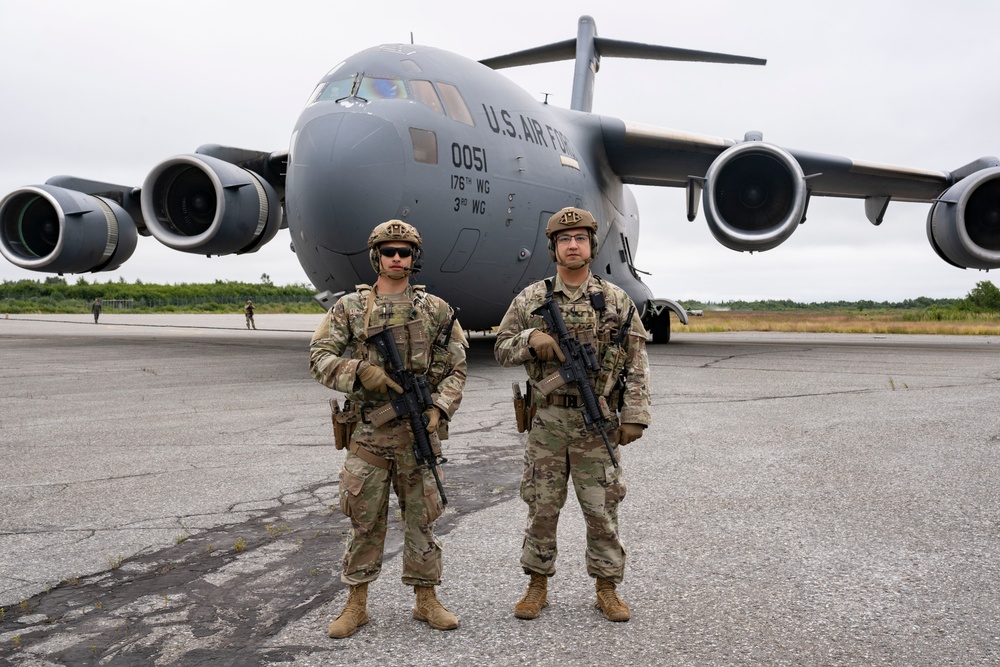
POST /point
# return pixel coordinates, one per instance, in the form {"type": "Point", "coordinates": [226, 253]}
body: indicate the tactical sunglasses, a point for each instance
{"type": "Point", "coordinates": [390, 251]}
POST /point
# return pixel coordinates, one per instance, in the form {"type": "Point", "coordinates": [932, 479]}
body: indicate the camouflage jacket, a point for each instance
{"type": "Point", "coordinates": [434, 344]}
{"type": "Point", "coordinates": [587, 325]}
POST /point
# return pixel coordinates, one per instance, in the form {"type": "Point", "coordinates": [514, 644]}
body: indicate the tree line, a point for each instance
{"type": "Point", "coordinates": [55, 295]}
{"type": "Point", "coordinates": [983, 298]}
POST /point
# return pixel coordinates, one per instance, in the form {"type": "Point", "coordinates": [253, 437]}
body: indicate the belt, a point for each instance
{"type": "Point", "coordinates": [368, 457]}
{"type": "Point", "coordinates": [565, 400]}
{"type": "Point", "coordinates": [574, 401]}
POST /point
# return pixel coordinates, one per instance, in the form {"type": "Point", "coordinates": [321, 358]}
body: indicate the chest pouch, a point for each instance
{"type": "Point", "coordinates": [612, 363]}
{"type": "Point", "coordinates": [419, 345]}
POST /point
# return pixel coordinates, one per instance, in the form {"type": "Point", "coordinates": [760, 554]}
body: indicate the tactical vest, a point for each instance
{"type": "Point", "coordinates": [590, 320]}
{"type": "Point", "coordinates": [407, 321]}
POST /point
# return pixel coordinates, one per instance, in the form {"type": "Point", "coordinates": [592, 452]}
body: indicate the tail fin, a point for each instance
{"type": "Point", "coordinates": [587, 49]}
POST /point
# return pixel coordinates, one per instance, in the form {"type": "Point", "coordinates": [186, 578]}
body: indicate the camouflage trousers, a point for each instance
{"type": "Point", "coordinates": [364, 498]}
{"type": "Point", "coordinates": [559, 447]}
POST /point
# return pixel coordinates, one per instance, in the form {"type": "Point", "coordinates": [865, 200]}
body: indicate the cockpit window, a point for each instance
{"type": "Point", "coordinates": [423, 91]}
{"type": "Point", "coordinates": [454, 103]}
{"type": "Point", "coordinates": [335, 90]}
{"type": "Point", "coordinates": [439, 97]}
{"type": "Point", "coordinates": [371, 88]}
{"type": "Point", "coordinates": [317, 91]}
{"type": "Point", "coordinates": [378, 88]}
{"type": "Point", "coordinates": [409, 66]}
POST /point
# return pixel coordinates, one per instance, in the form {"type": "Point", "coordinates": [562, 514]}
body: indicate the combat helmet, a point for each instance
{"type": "Point", "coordinates": [393, 230]}
{"type": "Point", "coordinates": [571, 217]}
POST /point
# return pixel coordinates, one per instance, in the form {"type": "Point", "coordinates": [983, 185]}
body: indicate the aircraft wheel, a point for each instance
{"type": "Point", "coordinates": [661, 329]}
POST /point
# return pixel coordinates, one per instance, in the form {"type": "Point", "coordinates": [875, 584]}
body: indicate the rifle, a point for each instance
{"type": "Point", "coordinates": [579, 359]}
{"type": "Point", "coordinates": [412, 403]}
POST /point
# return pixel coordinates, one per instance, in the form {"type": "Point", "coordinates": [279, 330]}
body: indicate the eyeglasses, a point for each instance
{"type": "Point", "coordinates": [392, 251]}
{"type": "Point", "coordinates": [564, 239]}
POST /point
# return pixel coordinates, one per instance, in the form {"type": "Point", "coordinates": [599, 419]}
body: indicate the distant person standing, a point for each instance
{"type": "Point", "coordinates": [248, 311]}
{"type": "Point", "coordinates": [95, 308]}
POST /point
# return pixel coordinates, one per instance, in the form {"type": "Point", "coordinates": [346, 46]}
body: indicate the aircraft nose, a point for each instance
{"type": "Point", "coordinates": [345, 175]}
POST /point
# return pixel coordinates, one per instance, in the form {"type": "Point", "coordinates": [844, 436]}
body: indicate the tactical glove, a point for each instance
{"type": "Point", "coordinates": [433, 415]}
{"type": "Point", "coordinates": [628, 433]}
{"type": "Point", "coordinates": [376, 379]}
{"type": "Point", "coordinates": [545, 347]}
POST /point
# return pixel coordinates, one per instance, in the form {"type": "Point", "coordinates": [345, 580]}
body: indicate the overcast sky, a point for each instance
{"type": "Point", "coordinates": [105, 90]}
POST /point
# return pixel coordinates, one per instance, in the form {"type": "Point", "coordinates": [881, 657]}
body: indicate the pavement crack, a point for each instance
{"type": "Point", "coordinates": [220, 595]}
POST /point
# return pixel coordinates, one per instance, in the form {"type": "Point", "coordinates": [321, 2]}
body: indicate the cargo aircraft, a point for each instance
{"type": "Point", "coordinates": [478, 166]}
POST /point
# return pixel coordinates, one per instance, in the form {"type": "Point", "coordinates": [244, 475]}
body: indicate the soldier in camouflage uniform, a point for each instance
{"type": "Point", "coordinates": [380, 455]}
{"type": "Point", "coordinates": [559, 445]}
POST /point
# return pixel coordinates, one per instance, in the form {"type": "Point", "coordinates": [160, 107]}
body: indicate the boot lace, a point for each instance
{"type": "Point", "coordinates": [533, 596]}
{"type": "Point", "coordinates": [609, 597]}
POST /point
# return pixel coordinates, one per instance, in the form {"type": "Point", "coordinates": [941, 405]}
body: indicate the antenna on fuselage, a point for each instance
{"type": "Point", "coordinates": [411, 37]}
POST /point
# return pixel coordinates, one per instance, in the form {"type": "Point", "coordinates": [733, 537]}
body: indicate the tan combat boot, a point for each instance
{"type": "Point", "coordinates": [530, 606]}
{"type": "Point", "coordinates": [431, 611]}
{"type": "Point", "coordinates": [355, 613]}
{"type": "Point", "coordinates": [612, 606]}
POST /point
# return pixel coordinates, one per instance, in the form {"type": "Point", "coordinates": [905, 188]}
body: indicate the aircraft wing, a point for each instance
{"type": "Point", "coordinates": [755, 193]}
{"type": "Point", "coordinates": [216, 201]}
{"type": "Point", "coordinates": [647, 155]}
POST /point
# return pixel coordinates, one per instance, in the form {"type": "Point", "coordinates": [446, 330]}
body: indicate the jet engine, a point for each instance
{"type": "Point", "coordinates": [201, 204]}
{"type": "Point", "coordinates": [52, 229]}
{"type": "Point", "coordinates": [755, 196]}
{"type": "Point", "coordinates": [963, 224]}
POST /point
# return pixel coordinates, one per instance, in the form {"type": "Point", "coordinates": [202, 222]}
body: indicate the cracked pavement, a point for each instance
{"type": "Point", "coordinates": [169, 491]}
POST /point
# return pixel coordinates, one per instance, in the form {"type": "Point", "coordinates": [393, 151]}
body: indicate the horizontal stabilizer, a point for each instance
{"type": "Point", "coordinates": [588, 49]}
{"type": "Point", "coordinates": [614, 48]}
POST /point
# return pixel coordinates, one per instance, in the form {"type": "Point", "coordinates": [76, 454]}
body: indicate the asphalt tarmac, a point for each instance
{"type": "Point", "coordinates": [169, 497]}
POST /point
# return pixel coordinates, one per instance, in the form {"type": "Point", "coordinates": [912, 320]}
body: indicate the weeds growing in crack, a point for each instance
{"type": "Point", "coordinates": [275, 531]}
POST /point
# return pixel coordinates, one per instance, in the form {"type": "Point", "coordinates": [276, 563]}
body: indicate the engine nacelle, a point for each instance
{"type": "Point", "coordinates": [52, 229]}
{"type": "Point", "coordinates": [755, 196]}
{"type": "Point", "coordinates": [963, 225]}
{"type": "Point", "coordinates": [200, 204]}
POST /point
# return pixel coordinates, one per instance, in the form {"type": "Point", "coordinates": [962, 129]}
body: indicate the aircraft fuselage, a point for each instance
{"type": "Point", "coordinates": [463, 154]}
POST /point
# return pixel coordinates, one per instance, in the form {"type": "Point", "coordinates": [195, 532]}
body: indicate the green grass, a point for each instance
{"type": "Point", "coordinates": [918, 321]}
